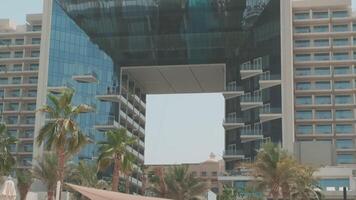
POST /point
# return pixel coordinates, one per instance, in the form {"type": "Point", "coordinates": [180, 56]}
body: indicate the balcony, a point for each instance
{"type": "Point", "coordinates": [251, 133]}
{"type": "Point", "coordinates": [233, 155]}
{"type": "Point", "coordinates": [59, 89]}
{"type": "Point", "coordinates": [248, 70]}
{"type": "Point", "coordinates": [136, 153]}
{"type": "Point", "coordinates": [108, 124]}
{"type": "Point", "coordinates": [86, 78]}
{"type": "Point", "coordinates": [233, 123]}
{"type": "Point", "coordinates": [251, 100]}
{"type": "Point", "coordinates": [268, 114]}
{"type": "Point", "coordinates": [268, 80]}
{"type": "Point", "coordinates": [131, 122]}
{"type": "Point", "coordinates": [233, 91]}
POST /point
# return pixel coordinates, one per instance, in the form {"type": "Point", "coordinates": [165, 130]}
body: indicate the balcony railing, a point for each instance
{"type": "Point", "coordinates": [254, 97]}
{"type": "Point", "coordinates": [233, 153]}
{"type": "Point", "coordinates": [267, 76]}
{"type": "Point", "coordinates": [233, 120]}
{"type": "Point", "coordinates": [267, 109]}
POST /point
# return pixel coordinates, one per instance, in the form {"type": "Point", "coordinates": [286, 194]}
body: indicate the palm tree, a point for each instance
{"type": "Point", "coordinates": [229, 193]}
{"type": "Point", "coordinates": [183, 185]}
{"type": "Point", "coordinates": [62, 133]}
{"type": "Point", "coordinates": [127, 168]}
{"type": "Point", "coordinates": [306, 186]}
{"type": "Point", "coordinates": [274, 171]}
{"type": "Point", "coordinates": [7, 161]}
{"type": "Point", "coordinates": [112, 151]}
{"type": "Point", "coordinates": [24, 182]}
{"type": "Point", "coordinates": [45, 170]}
{"type": "Point", "coordinates": [85, 174]}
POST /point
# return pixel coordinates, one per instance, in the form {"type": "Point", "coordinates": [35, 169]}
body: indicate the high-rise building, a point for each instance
{"type": "Point", "coordinates": [19, 63]}
{"type": "Point", "coordinates": [285, 68]}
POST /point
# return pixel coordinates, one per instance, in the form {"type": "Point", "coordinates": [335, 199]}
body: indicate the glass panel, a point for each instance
{"type": "Point", "coordinates": [302, 57]}
{"type": "Point", "coordinates": [340, 28]}
{"type": "Point", "coordinates": [301, 15]}
{"type": "Point", "coordinates": [342, 85]}
{"type": "Point", "coordinates": [323, 129]}
{"type": "Point", "coordinates": [35, 54]}
{"type": "Point", "coordinates": [18, 54]}
{"type": "Point", "coordinates": [334, 183]}
{"type": "Point", "coordinates": [322, 100]}
{"type": "Point", "coordinates": [302, 71]}
{"type": "Point", "coordinates": [304, 114]}
{"type": "Point", "coordinates": [304, 100]}
{"type": "Point", "coordinates": [341, 42]}
{"type": "Point", "coordinates": [319, 29]}
{"type": "Point", "coordinates": [322, 85]}
{"type": "Point", "coordinates": [5, 54]}
{"type": "Point", "coordinates": [322, 56]}
{"type": "Point", "coordinates": [344, 128]}
{"type": "Point", "coordinates": [320, 15]}
{"type": "Point", "coordinates": [19, 41]}
{"type": "Point", "coordinates": [344, 144]}
{"type": "Point", "coordinates": [322, 71]}
{"type": "Point", "coordinates": [345, 159]}
{"type": "Point", "coordinates": [36, 40]}
{"type": "Point", "coordinates": [340, 14]}
{"type": "Point", "coordinates": [341, 56]}
{"type": "Point", "coordinates": [323, 114]}
{"type": "Point", "coordinates": [304, 129]}
{"type": "Point", "coordinates": [343, 114]}
{"type": "Point", "coordinates": [302, 43]}
{"type": "Point", "coordinates": [343, 99]}
{"type": "Point", "coordinates": [303, 86]}
{"type": "Point", "coordinates": [321, 43]}
{"type": "Point", "coordinates": [342, 70]}
{"type": "Point", "coordinates": [303, 29]}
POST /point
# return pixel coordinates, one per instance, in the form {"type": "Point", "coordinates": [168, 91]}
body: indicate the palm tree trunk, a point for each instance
{"type": "Point", "coordinates": [61, 164]}
{"type": "Point", "coordinates": [116, 175]}
{"type": "Point", "coordinates": [23, 192]}
{"type": "Point", "coordinates": [50, 194]}
{"type": "Point", "coordinates": [127, 184]}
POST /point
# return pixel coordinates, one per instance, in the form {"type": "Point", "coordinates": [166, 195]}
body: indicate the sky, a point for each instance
{"type": "Point", "coordinates": [179, 128]}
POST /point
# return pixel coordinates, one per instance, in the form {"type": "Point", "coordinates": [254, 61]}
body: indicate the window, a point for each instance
{"type": "Point", "coordinates": [302, 29]}
{"type": "Point", "coordinates": [14, 93]}
{"type": "Point", "coordinates": [32, 79]}
{"type": "Point", "coordinates": [322, 85]}
{"type": "Point", "coordinates": [19, 41]}
{"type": "Point", "coordinates": [322, 100]}
{"type": "Point", "coordinates": [344, 114]}
{"type": "Point", "coordinates": [17, 67]}
{"type": "Point", "coordinates": [303, 100]}
{"type": "Point", "coordinates": [30, 120]}
{"type": "Point", "coordinates": [344, 144]}
{"type": "Point", "coordinates": [321, 56]}
{"type": "Point", "coordinates": [36, 28]}
{"type": "Point", "coordinates": [304, 15]}
{"type": "Point", "coordinates": [302, 43]}
{"type": "Point", "coordinates": [35, 53]}
{"type": "Point", "coordinates": [344, 128]}
{"type": "Point", "coordinates": [302, 71]}
{"type": "Point", "coordinates": [340, 14]}
{"type": "Point", "coordinates": [5, 42]}
{"type": "Point", "coordinates": [304, 129]}
{"type": "Point", "coordinates": [305, 114]}
{"type": "Point", "coordinates": [3, 68]}
{"type": "Point", "coordinates": [342, 85]}
{"type": "Point", "coordinates": [31, 106]}
{"type": "Point", "coordinates": [320, 29]}
{"type": "Point", "coordinates": [13, 106]}
{"type": "Point", "coordinates": [302, 57]}
{"type": "Point", "coordinates": [340, 28]}
{"type": "Point", "coordinates": [321, 43]}
{"type": "Point", "coordinates": [203, 173]}
{"type": "Point", "coordinates": [214, 173]}
{"type": "Point", "coordinates": [323, 129]}
{"type": "Point", "coordinates": [334, 183]}
{"type": "Point", "coordinates": [303, 86]}
{"type": "Point", "coordinates": [343, 99]}
{"type": "Point", "coordinates": [342, 70]}
{"type": "Point", "coordinates": [11, 120]}
{"type": "Point", "coordinates": [323, 114]}
{"type": "Point", "coordinates": [36, 40]}
{"type": "Point", "coordinates": [341, 42]}
{"type": "Point", "coordinates": [341, 56]}
{"type": "Point", "coordinates": [4, 80]}
{"type": "Point", "coordinates": [18, 54]}
{"type": "Point", "coordinates": [5, 54]}
{"type": "Point", "coordinates": [320, 15]}
{"type": "Point", "coordinates": [32, 93]}
{"type": "Point", "coordinates": [322, 71]}
{"type": "Point", "coordinates": [345, 159]}
{"type": "Point", "coordinates": [33, 67]}
{"type": "Point", "coordinates": [16, 80]}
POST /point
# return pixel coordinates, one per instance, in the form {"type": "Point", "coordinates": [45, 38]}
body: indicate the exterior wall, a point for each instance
{"type": "Point", "coordinates": [19, 68]}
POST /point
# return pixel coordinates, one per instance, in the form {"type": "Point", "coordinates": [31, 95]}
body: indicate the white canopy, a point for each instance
{"type": "Point", "coordinates": [96, 194]}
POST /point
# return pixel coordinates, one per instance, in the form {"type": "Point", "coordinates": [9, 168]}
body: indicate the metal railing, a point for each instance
{"type": "Point", "coordinates": [233, 120]}
{"type": "Point", "coordinates": [233, 152]}
{"type": "Point", "coordinates": [267, 76]}
{"type": "Point", "coordinates": [234, 88]}
{"type": "Point", "coordinates": [266, 109]}
{"type": "Point", "coordinates": [252, 97]}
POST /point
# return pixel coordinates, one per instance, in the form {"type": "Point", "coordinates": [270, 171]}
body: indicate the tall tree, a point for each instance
{"type": "Point", "coordinates": [113, 151]}
{"type": "Point", "coordinates": [7, 161]}
{"type": "Point", "coordinates": [229, 193]}
{"type": "Point", "coordinates": [62, 133]}
{"type": "Point", "coordinates": [127, 168]}
{"type": "Point", "coordinates": [306, 185]}
{"type": "Point", "coordinates": [24, 182]}
{"type": "Point", "coordinates": [45, 170]}
{"type": "Point", "coordinates": [274, 171]}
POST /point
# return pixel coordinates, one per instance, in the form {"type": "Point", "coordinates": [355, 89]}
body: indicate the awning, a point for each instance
{"type": "Point", "coordinates": [96, 194]}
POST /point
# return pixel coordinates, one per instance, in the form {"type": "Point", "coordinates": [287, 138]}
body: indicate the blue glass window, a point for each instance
{"type": "Point", "coordinates": [321, 56]}
{"type": "Point", "coordinates": [5, 54]}
{"type": "Point", "coordinates": [35, 53]}
{"type": "Point", "coordinates": [344, 128]}
{"type": "Point", "coordinates": [36, 40]}
{"type": "Point", "coordinates": [18, 54]}
{"type": "Point", "coordinates": [319, 29]}
{"type": "Point", "coordinates": [302, 71]}
{"type": "Point", "coordinates": [303, 86]}
{"type": "Point", "coordinates": [16, 80]}
{"type": "Point", "coordinates": [19, 41]}
{"type": "Point", "coordinates": [345, 159]}
{"type": "Point", "coordinates": [305, 100]}
{"type": "Point", "coordinates": [342, 85]}
{"type": "Point", "coordinates": [322, 71]}
{"type": "Point", "coordinates": [322, 100]}
{"type": "Point", "coordinates": [320, 15]}
{"type": "Point", "coordinates": [304, 15]}
{"type": "Point", "coordinates": [344, 144]}
{"type": "Point", "coordinates": [340, 28]}
{"type": "Point", "coordinates": [342, 70]}
{"type": "Point", "coordinates": [302, 43]}
{"type": "Point", "coordinates": [303, 29]}
{"type": "Point", "coordinates": [341, 42]}
{"type": "Point", "coordinates": [322, 85]}
{"type": "Point", "coordinates": [305, 114]}
{"type": "Point", "coordinates": [343, 99]}
{"type": "Point", "coordinates": [4, 80]}
{"type": "Point", "coordinates": [340, 14]}
{"type": "Point", "coordinates": [304, 129]}
{"type": "Point", "coordinates": [344, 114]}
{"type": "Point", "coordinates": [341, 56]}
{"type": "Point", "coordinates": [323, 129]}
{"type": "Point", "coordinates": [5, 42]}
{"type": "Point", "coordinates": [302, 57]}
{"type": "Point", "coordinates": [321, 43]}
{"type": "Point", "coordinates": [323, 114]}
